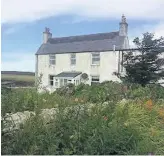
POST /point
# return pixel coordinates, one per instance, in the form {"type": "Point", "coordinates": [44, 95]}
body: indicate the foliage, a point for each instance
{"type": "Point", "coordinates": [128, 128]}
{"type": "Point", "coordinates": [91, 120]}
{"type": "Point", "coordinates": [107, 91]}
{"type": "Point", "coordinates": [14, 100]}
{"type": "Point", "coordinates": [66, 90]}
{"type": "Point", "coordinates": [154, 92]}
{"type": "Point", "coordinates": [145, 65]}
{"type": "Point", "coordinates": [19, 100]}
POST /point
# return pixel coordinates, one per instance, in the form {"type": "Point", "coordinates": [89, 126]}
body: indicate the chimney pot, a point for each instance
{"type": "Point", "coordinates": [46, 35]}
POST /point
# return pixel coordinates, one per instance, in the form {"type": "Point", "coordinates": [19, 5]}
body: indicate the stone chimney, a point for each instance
{"type": "Point", "coordinates": [46, 35]}
{"type": "Point", "coordinates": [123, 31]}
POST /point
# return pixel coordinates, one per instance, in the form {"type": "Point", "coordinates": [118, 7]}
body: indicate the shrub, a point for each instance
{"type": "Point", "coordinates": [99, 93]}
{"type": "Point", "coordinates": [127, 129]}
{"type": "Point", "coordinates": [66, 90]}
{"type": "Point", "coordinates": [6, 104]}
{"type": "Point", "coordinates": [151, 91]}
{"type": "Point", "coordinates": [79, 127]}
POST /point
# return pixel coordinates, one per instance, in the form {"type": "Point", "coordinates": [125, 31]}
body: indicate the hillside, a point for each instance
{"type": "Point", "coordinates": [18, 73]}
{"type": "Point", "coordinates": [21, 79]}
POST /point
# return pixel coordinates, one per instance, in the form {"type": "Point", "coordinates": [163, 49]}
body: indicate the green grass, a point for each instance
{"type": "Point", "coordinates": [12, 77]}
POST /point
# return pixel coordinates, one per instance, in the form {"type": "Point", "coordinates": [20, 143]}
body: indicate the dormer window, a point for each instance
{"type": "Point", "coordinates": [52, 59]}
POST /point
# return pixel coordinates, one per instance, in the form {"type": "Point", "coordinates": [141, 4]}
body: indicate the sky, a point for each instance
{"type": "Point", "coordinates": [23, 23]}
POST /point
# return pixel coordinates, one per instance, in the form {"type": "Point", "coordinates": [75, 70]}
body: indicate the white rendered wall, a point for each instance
{"type": "Point", "coordinates": [108, 65]}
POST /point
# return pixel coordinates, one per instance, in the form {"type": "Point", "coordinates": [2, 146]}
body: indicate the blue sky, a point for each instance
{"type": "Point", "coordinates": [24, 21]}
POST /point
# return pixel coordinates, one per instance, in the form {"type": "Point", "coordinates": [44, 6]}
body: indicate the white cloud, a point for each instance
{"type": "Point", "coordinates": [13, 28]}
{"type": "Point", "coordinates": [30, 10]}
{"type": "Point", "coordinates": [157, 29]}
{"type": "Point", "coordinates": [18, 61]}
{"type": "Point", "coordinates": [10, 31]}
{"type": "Point", "coordinates": [15, 11]}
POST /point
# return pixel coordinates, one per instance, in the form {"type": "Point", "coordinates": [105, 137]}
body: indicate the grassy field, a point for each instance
{"type": "Point", "coordinates": [12, 77]}
{"type": "Point", "coordinates": [20, 79]}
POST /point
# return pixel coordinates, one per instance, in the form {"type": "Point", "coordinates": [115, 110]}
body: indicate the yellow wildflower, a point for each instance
{"type": "Point", "coordinates": [149, 104]}
{"type": "Point", "coordinates": [161, 112]}
{"type": "Point", "coordinates": [153, 132]}
{"type": "Point", "coordinates": [125, 124]}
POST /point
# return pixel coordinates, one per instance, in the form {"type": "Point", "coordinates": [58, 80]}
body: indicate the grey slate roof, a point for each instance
{"type": "Point", "coordinates": [161, 62]}
{"type": "Point", "coordinates": [83, 43]}
{"type": "Point", "coordinates": [68, 74]}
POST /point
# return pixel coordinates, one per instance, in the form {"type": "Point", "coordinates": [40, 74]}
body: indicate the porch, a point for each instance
{"type": "Point", "coordinates": [65, 78]}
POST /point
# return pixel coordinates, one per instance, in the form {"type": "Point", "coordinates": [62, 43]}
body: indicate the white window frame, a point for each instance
{"type": "Point", "coordinates": [77, 82]}
{"type": "Point", "coordinates": [69, 81]}
{"type": "Point", "coordinates": [96, 56]}
{"type": "Point", "coordinates": [56, 82]}
{"type": "Point", "coordinates": [52, 58]}
{"type": "Point", "coordinates": [51, 80]}
{"type": "Point", "coordinates": [65, 81]}
{"type": "Point", "coordinates": [61, 80]}
{"type": "Point", "coordinates": [73, 59]}
{"type": "Point", "coordinates": [95, 77]}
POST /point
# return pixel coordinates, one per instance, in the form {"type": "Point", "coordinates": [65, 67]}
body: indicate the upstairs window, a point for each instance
{"type": "Point", "coordinates": [51, 80]}
{"type": "Point", "coordinates": [52, 59]}
{"type": "Point", "coordinates": [95, 58]}
{"type": "Point", "coordinates": [73, 59]}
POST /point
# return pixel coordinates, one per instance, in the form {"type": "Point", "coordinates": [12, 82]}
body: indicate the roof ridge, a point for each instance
{"type": "Point", "coordinates": [85, 35]}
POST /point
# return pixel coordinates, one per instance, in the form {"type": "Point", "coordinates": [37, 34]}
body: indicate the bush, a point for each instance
{"type": "Point", "coordinates": [66, 90]}
{"type": "Point", "coordinates": [99, 93]}
{"type": "Point", "coordinates": [6, 104]}
{"type": "Point", "coordinates": [128, 129]}
{"type": "Point", "coordinates": [17, 100]}
{"type": "Point", "coordinates": [150, 92]}
{"type": "Point", "coordinates": [89, 127]}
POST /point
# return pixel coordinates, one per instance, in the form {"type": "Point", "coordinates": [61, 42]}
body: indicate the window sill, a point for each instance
{"type": "Point", "coordinates": [52, 66]}
{"type": "Point", "coordinates": [95, 64]}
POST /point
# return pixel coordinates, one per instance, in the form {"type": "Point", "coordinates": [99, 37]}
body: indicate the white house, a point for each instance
{"type": "Point", "coordinates": [63, 60]}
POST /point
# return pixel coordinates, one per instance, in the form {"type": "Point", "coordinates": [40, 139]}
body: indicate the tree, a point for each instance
{"type": "Point", "coordinates": [145, 65]}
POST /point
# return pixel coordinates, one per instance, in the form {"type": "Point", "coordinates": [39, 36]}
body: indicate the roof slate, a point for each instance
{"type": "Point", "coordinates": [68, 74]}
{"type": "Point", "coordinates": [83, 43]}
{"type": "Point", "coordinates": [160, 62]}
{"type": "Point", "coordinates": [90, 37]}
